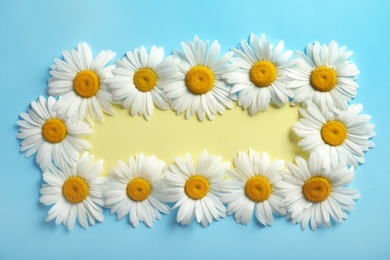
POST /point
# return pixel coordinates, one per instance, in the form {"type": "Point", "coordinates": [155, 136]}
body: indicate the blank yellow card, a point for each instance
{"type": "Point", "coordinates": [167, 135]}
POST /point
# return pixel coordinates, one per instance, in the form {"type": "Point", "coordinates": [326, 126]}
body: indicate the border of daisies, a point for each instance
{"type": "Point", "coordinates": [165, 96]}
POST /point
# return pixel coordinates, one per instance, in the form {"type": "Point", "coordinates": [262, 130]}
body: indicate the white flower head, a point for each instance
{"type": "Point", "coordinates": [342, 137]}
{"type": "Point", "coordinates": [75, 192]}
{"type": "Point", "coordinates": [137, 80]}
{"type": "Point", "coordinates": [81, 82]}
{"type": "Point", "coordinates": [52, 137]}
{"type": "Point", "coordinates": [325, 77]}
{"type": "Point", "coordinates": [198, 87]}
{"type": "Point", "coordinates": [195, 188]}
{"type": "Point", "coordinates": [253, 187]}
{"type": "Point", "coordinates": [261, 74]}
{"type": "Point", "coordinates": [314, 191]}
{"type": "Point", "coordinates": [134, 189]}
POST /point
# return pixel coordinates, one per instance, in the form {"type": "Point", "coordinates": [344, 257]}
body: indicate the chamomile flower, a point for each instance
{"type": "Point", "coordinates": [52, 137]}
{"type": "Point", "coordinates": [75, 192]}
{"type": "Point", "coordinates": [81, 82]}
{"type": "Point", "coordinates": [134, 189]}
{"type": "Point", "coordinates": [253, 187]}
{"type": "Point", "coordinates": [137, 78]}
{"type": "Point", "coordinates": [325, 77]}
{"type": "Point", "coordinates": [342, 137]}
{"type": "Point", "coordinates": [314, 191]}
{"type": "Point", "coordinates": [198, 87]}
{"type": "Point", "coordinates": [261, 76]}
{"type": "Point", "coordinates": [195, 188]}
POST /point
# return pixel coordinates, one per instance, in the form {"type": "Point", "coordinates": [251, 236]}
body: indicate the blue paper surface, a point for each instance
{"type": "Point", "coordinates": [33, 33]}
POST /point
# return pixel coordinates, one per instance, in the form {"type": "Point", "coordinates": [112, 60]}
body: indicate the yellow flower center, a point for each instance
{"type": "Point", "coordinates": [323, 79]}
{"type": "Point", "coordinates": [75, 189]}
{"type": "Point", "coordinates": [316, 189]}
{"type": "Point", "coordinates": [262, 73]}
{"type": "Point", "coordinates": [86, 83]}
{"type": "Point", "coordinates": [258, 189]}
{"type": "Point", "coordinates": [199, 79]}
{"type": "Point", "coordinates": [54, 130]}
{"type": "Point", "coordinates": [196, 187]}
{"type": "Point", "coordinates": [145, 79]}
{"type": "Point", "coordinates": [334, 133]}
{"type": "Point", "coordinates": [138, 189]}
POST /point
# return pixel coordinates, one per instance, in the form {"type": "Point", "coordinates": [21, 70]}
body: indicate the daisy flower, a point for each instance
{"type": "Point", "coordinates": [342, 137]}
{"type": "Point", "coordinates": [198, 86]}
{"type": "Point", "coordinates": [314, 191]}
{"type": "Point", "coordinates": [196, 189]}
{"type": "Point", "coordinates": [52, 137]}
{"type": "Point", "coordinates": [261, 74]}
{"type": "Point", "coordinates": [76, 191]}
{"type": "Point", "coordinates": [137, 78]}
{"type": "Point", "coordinates": [81, 81]}
{"type": "Point", "coordinates": [134, 188]}
{"type": "Point", "coordinates": [252, 187]}
{"type": "Point", "coordinates": [325, 77]}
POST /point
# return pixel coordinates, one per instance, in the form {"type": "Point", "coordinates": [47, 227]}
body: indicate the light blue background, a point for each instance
{"type": "Point", "coordinates": [33, 33]}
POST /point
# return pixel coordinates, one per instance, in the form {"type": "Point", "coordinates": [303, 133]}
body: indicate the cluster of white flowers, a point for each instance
{"type": "Point", "coordinates": [195, 80]}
